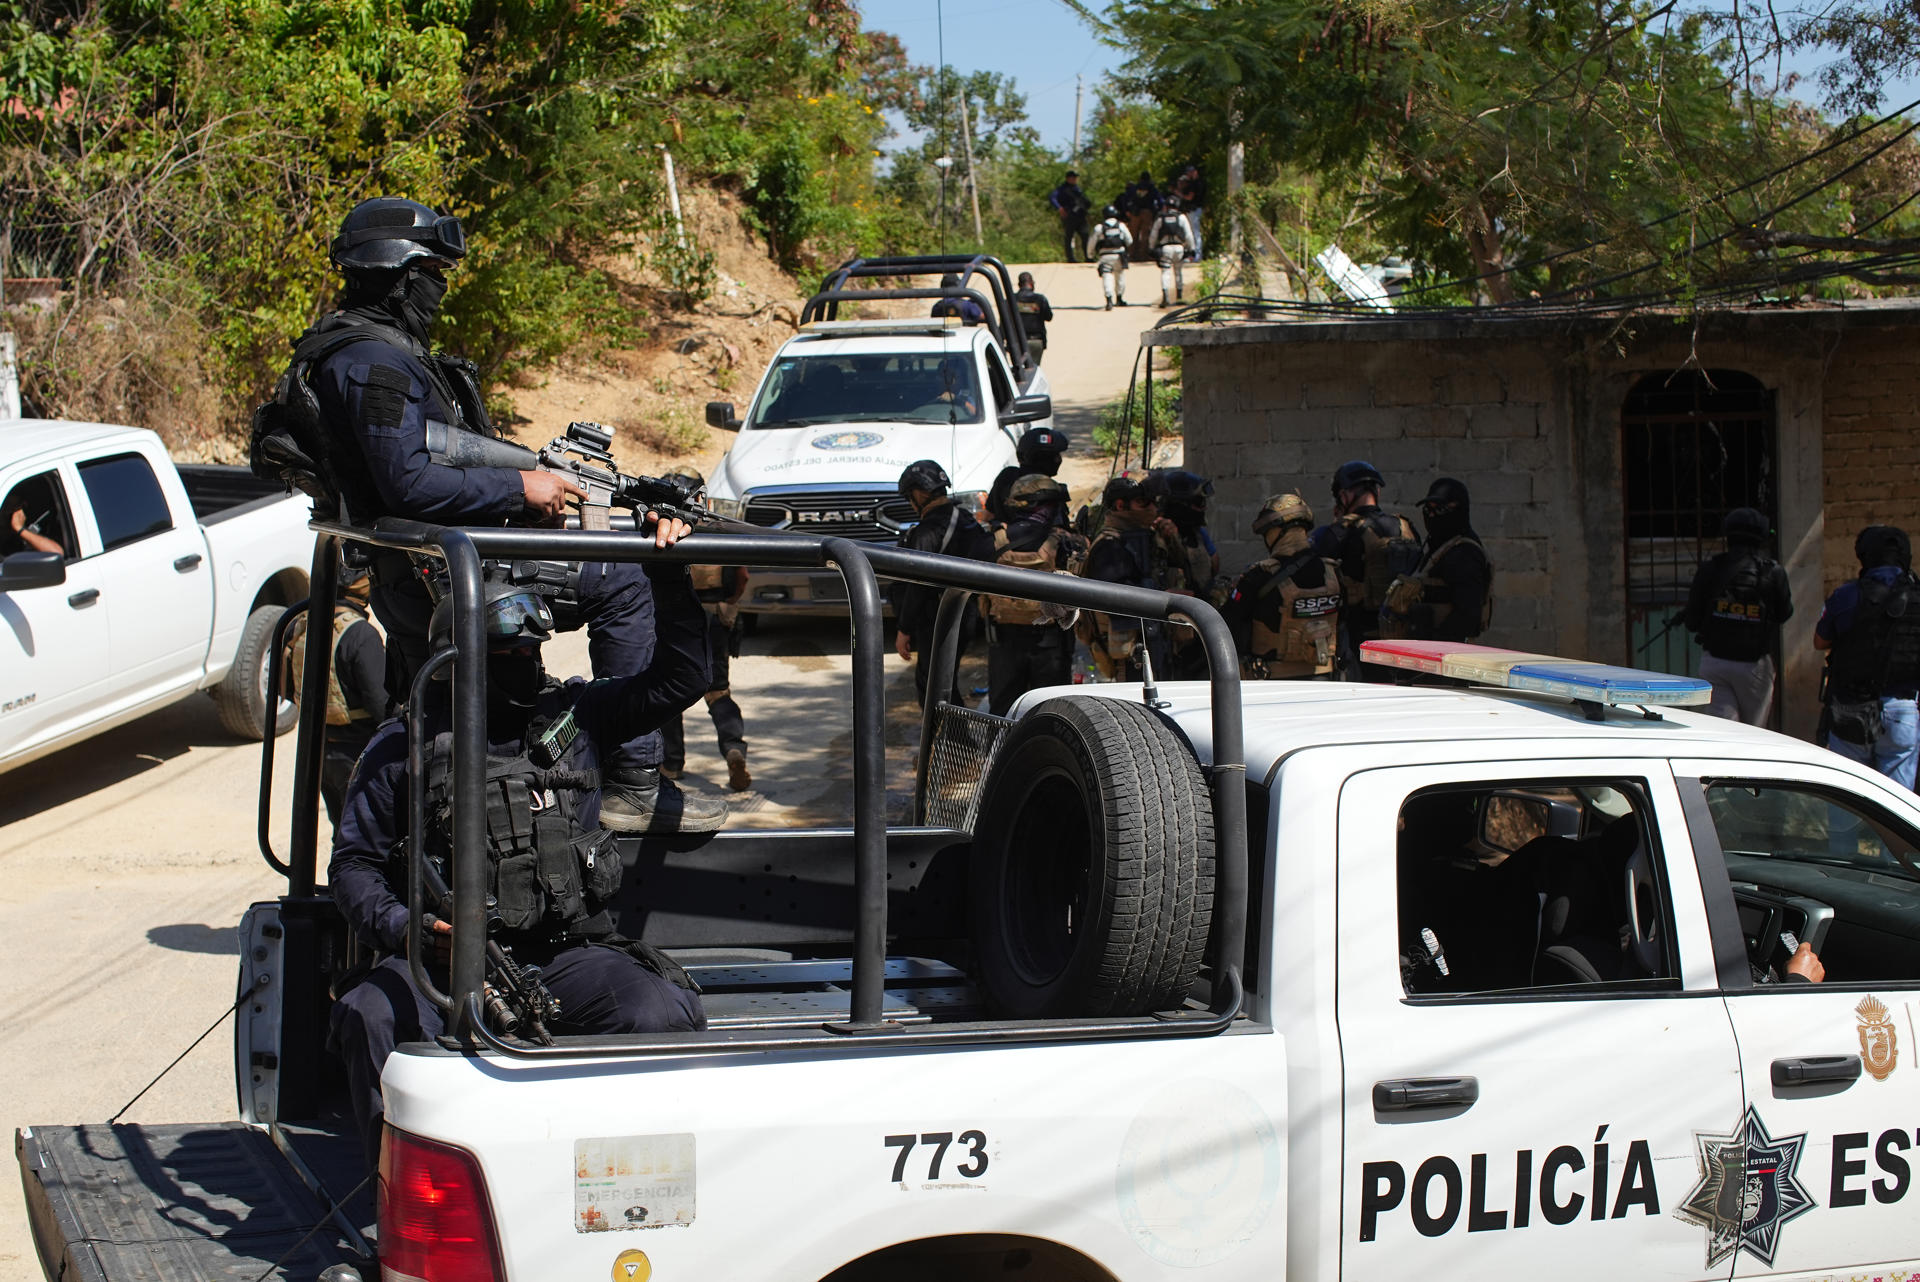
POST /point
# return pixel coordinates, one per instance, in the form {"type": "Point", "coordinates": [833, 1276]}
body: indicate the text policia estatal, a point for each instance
{"type": "Point", "coordinates": [1440, 1192]}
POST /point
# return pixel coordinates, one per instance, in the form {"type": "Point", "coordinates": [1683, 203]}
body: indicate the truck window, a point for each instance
{"type": "Point", "coordinates": [34, 518]}
{"type": "Point", "coordinates": [879, 387]}
{"type": "Point", "coordinates": [1825, 867]}
{"type": "Point", "coordinates": [126, 498]}
{"type": "Point", "coordinates": [997, 375]}
{"type": "Point", "coordinates": [1509, 887]}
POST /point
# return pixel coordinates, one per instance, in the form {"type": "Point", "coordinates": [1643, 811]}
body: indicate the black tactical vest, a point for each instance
{"type": "Point", "coordinates": [1739, 623]}
{"type": "Point", "coordinates": [548, 876]}
{"type": "Point", "coordinates": [1881, 651]}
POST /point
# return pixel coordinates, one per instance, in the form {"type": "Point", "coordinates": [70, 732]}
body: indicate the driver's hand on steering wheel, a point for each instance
{"type": "Point", "coordinates": [1804, 966]}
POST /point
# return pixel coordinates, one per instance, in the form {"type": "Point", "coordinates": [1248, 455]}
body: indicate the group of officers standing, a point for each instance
{"type": "Point", "coordinates": [1299, 613]}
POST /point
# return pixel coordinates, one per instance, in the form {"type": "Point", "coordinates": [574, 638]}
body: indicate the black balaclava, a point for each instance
{"type": "Point", "coordinates": [407, 297]}
{"type": "Point", "coordinates": [514, 682]}
{"type": "Point", "coordinates": [1454, 514]}
{"type": "Point", "coordinates": [1045, 462]}
{"type": "Point", "coordinates": [1187, 515]}
{"type": "Point", "coordinates": [1879, 545]}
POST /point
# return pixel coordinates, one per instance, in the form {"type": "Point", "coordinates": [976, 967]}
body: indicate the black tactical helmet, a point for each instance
{"type": "Point", "coordinates": [514, 615]}
{"type": "Point", "coordinates": [1040, 440]}
{"type": "Point", "coordinates": [1109, 212]}
{"type": "Point", "coordinates": [1358, 474]}
{"type": "Point", "coordinates": [1130, 484]}
{"type": "Point", "coordinates": [1177, 485]}
{"type": "Point", "coordinates": [1744, 525]}
{"type": "Point", "coordinates": [388, 232]}
{"type": "Point", "coordinates": [1879, 545]}
{"type": "Point", "coordinates": [924, 474]}
{"type": "Point", "coordinates": [1031, 491]}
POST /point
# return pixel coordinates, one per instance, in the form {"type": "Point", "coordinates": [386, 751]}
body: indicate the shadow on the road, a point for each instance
{"type": "Point", "coordinates": [107, 759]}
{"type": "Point", "coordinates": [191, 937]}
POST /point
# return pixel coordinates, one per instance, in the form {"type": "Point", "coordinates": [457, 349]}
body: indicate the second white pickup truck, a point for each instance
{"type": "Point", "coordinates": [127, 582]}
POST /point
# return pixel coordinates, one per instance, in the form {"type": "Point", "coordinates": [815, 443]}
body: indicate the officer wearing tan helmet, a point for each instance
{"type": "Point", "coordinates": [719, 588]}
{"type": "Point", "coordinates": [1284, 611]}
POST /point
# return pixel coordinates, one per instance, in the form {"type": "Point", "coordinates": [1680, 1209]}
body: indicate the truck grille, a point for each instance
{"type": "Point", "coordinates": [856, 514]}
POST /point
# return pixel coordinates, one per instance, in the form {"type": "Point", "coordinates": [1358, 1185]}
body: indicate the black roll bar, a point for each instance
{"type": "Point", "coordinates": [417, 824]}
{"type": "Point", "coordinates": [276, 656]}
{"type": "Point", "coordinates": [859, 564]}
{"type": "Point", "coordinates": [310, 733]}
{"type": "Point", "coordinates": [825, 304]}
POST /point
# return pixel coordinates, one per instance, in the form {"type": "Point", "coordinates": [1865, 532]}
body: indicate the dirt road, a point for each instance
{"type": "Point", "coordinates": [125, 861]}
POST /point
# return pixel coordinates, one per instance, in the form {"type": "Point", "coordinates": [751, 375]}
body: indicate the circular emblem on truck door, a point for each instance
{"type": "Point", "coordinates": [847, 441]}
{"type": "Point", "coordinates": [1199, 1173]}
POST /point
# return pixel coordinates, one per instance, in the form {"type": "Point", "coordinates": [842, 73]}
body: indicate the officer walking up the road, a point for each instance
{"type": "Point", "coordinates": [1070, 204]}
{"type": "Point", "coordinates": [1449, 595]}
{"type": "Point", "coordinates": [1172, 243]}
{"type": "Point", "coordinates": [356, 683]}
{"type": "Point", "coordinates": [1026, 645]}
{"type": "Point", "coordinates": [1284, 612]}
{"type": "Point", "coordinates": [719, 588]}
{"type": "Point", "coordinates": [1035, 312]}
{"type": "Point", "coordinates": [1037, 452]}
{"type": "Point", "coordinates": [1738, 600]}
{"type": "Point", "coordinates": [1137, 546]}
{"type": "Point", "coordinates": [551, 872]}
{"type": "Point", "coordinates": [945, 528]}
{"type": "Point", "coordinates": [1111, 241]}
{"type": "Point", "coordinates": [379, 387]}
{"type": "Point", "coordinates": [1871, 628]}
{"type": "Point", "coordinates": [1372, 548]}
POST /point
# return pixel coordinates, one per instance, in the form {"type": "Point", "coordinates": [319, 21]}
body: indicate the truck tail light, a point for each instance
{"type": "Point", "coordinates": [436, 1224]}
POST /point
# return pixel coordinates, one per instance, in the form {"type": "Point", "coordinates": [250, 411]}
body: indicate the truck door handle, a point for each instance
{"type": "Point", "coordinates": [1407, 1094]}
{"type": "Point", "coordinates": [1805, 1070]}
{"type": "Point", "coordinates": [187, 562]}
{"type": "Point", "coordinates": [81, 600]}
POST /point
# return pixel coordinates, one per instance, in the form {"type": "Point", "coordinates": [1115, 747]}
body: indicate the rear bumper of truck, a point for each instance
{"type": "Point", "coordinates": [212, 1200]}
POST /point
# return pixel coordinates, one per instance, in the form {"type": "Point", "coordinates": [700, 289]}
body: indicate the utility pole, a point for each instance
{"type": "Point", "coordinates": [973, 184]}
{"type": "Point", "coordinates": [1079, 85]}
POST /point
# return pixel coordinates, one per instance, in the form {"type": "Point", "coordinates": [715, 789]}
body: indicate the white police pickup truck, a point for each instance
{"type": "Point", "coordinates": [846, 405]}
{"type": "Point", "coordinates": [128, 582]}
{"type": "Point", "coordinates": [1313, 980]}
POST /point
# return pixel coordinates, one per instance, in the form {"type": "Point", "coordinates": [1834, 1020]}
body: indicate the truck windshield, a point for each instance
{"type": "Point", "coordinates": [807, 391]}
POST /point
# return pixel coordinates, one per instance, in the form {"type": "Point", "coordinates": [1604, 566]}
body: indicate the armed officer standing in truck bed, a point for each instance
{"type": "Point", "coordinates": [379, 387]}
{"type": "Point", "coordinates": [551, 871]}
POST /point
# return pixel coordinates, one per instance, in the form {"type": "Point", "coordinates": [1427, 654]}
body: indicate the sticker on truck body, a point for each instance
{"type": "Point", "coordinates": [632, 1182]}
{"type": "Point", "coordinates": [1199, 1173]}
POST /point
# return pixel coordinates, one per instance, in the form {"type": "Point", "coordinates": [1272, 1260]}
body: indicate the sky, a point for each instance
{"type": "Point", "coordinates": [1040, 43]}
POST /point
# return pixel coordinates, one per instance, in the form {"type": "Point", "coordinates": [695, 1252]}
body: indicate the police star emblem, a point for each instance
{"type": "Point", "coordinates": [1879, 1044]}
{"type": "Point", "coordinates": [1748, 1190]}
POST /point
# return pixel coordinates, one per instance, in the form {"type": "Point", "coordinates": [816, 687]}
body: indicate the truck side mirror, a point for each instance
{"type": "Point", "coordinates": [25, 570]}
{"type": "Point", "coordinates": [720, 415]}
{"type": "Point", "coordinates": [1027, 409]}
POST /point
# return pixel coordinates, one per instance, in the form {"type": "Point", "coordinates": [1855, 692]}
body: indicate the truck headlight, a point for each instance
{"type": "Point", "coordinates": [974, 501]}
{"type": "Point", "coordinates": [732, 509]}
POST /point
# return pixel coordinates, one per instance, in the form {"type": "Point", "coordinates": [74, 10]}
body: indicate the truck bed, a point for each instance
{"type": "Point", "coordinates": [193, 1201]}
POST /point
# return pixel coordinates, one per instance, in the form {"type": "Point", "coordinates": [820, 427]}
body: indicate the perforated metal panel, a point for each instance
{"type": "Point", "coordinates": [964, 744]}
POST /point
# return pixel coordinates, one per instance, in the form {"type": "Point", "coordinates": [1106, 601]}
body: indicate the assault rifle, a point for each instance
{"type": "Point", "coordinates": [516, 1002]}
{"type": "Point", "coordinates": [584, 455]}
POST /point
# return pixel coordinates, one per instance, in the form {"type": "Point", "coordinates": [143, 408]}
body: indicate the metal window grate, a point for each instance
{"type": "Point", "coordinates": [1693, 447]}
{"type": "Point", "coordinates": [964, 745]}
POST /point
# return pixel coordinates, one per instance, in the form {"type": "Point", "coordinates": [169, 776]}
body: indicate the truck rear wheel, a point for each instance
{"type": "Point", "coordinates": [241, 696]}
{"type": "Point", "coordinates": [1092, 873]}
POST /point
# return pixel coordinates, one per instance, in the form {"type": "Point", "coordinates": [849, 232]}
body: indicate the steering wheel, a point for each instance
{"type": "Point", "coordinates": [1806, 919]}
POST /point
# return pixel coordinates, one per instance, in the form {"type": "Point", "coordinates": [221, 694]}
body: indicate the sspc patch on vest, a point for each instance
{"type": "Point", "coordinates": [385, 401]}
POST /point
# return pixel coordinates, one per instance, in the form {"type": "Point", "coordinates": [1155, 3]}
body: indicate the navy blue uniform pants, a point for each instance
{"type": "Point", "coordinates": [600, 990]}
{"type": "Point", "coordinates": [1023, 657]}
{"type": "Point", "coordinates": [728, 722]}
{"type": "Point", "coordinates": [615, 605]}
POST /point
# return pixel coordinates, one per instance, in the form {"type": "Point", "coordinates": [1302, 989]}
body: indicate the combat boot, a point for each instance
{"type": "Point", "coordinates": [639, 800]}
{"type": "Point", "coordinates": [737, 777]}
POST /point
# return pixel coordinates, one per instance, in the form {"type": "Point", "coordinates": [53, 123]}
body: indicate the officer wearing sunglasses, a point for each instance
{"type": "Point", "coordinates": [378, 384]}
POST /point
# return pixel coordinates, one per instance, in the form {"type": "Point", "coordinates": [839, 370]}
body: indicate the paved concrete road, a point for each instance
{"type": "Point", "coordinates": [126, 861]}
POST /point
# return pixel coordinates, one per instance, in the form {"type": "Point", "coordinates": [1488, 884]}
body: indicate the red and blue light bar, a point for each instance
{"type": "Point", "coordinates": [1487, 665]}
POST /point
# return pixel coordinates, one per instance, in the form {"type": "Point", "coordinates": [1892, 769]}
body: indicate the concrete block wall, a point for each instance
{"type": "Point", "coordinates": [1268, 417]}
{"type": "Point", "coordinates": [1871, 440]}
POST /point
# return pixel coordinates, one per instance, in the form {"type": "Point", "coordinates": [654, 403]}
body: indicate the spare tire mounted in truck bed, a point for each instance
{"type": "Point", "coordinates": [1093, 865]}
